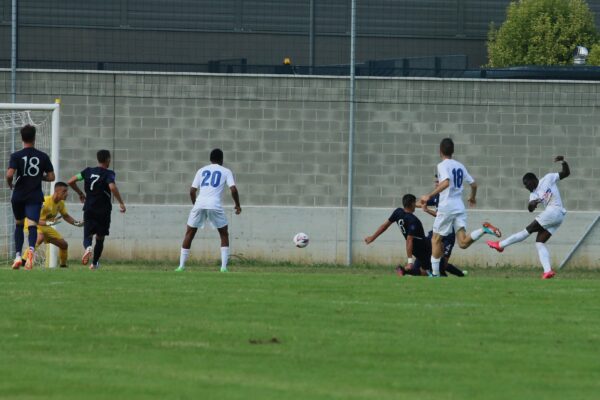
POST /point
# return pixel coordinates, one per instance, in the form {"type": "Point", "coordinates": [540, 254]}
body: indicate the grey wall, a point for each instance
{"type": "Point", "coordinates": [286, 137]}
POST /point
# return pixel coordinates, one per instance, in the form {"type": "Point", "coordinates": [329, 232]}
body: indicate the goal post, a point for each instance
{"type": "Point", "coordinates": [12, 117]}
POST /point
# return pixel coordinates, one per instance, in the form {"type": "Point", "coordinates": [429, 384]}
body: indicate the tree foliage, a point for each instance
{"type": "Point", "coordinates": [541, 32]}
{"type": "Point", "coordinates": [594, 58]}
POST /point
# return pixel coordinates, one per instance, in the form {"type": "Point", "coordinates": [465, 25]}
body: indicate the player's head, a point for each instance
{"type": "Point", "coordinates": [446, 148]}
{"type": "Point", "coordinates": [216, 156]}
{"type": "Point", "coordinates": [103, 157]}
{"type": "Point", "coordinates": [28, 134]}
{"type": "Point", "coordinates": [409, 202]}
{"type": "Point", "coordinates": [530, 181]}
{"type": "Point", "coordinates": [61, 190]}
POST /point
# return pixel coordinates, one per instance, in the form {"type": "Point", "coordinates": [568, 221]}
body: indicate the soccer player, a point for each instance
{"type": "Point", "coordinates": [447, 241]}
{"type": "Point", "coordinates": [451, 213]}
{"type": "Point", "coordinates": [418, 248]}
{"type": "Point", "coordinates": [99, 183]}
{"type": "Point", "coordinates": [27, 169]}
{"type": "Point", "coordinates": [546, 192]}
{"type": "Point", "coordinates": [53, 205]}
{"type": "Point", "coordinates": [211, 180]}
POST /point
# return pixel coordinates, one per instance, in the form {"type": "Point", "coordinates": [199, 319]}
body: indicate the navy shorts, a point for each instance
{"type": "Point", "coordinates": [25, 209]}
{"type": "Point", "coordinates": [96, 223]}
{"type": "Point", "coordinates": [448, 243]}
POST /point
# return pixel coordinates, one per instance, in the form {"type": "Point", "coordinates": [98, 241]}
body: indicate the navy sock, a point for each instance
{"type": "Point", "coordinates": [87, 242]}
{"type": "Point", "coordinates": [32, 237]}
{"type": "Point", "coordinates": [19, 238]}
{"type": "Point", "coordinates": [453, 270]}
{"type": "Point", "coordinates": [98, 250]}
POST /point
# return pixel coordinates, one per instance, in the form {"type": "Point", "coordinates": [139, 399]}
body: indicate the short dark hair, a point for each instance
{"type": "Point", "coordinates": [528, 177]}
{"type": "Point", "coordinates": [28, 134]}
{"type": "Point", "coordinates": [216, 156]}
{"type": "Point", "coordinates": [103, 156]}
{"type": "Point", "coordinates": [60, 184]}
{"type": "Point", "coordinates": [447, 147]}
{"type": "Point", "coordinates": [408, 200]}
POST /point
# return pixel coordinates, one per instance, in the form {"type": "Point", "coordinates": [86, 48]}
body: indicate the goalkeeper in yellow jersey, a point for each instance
{"type": "Point", "coordinates": [53, 206]}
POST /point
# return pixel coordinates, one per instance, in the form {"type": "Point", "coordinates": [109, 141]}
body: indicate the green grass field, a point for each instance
{"type": "Point", "coordinates": [267, 332]}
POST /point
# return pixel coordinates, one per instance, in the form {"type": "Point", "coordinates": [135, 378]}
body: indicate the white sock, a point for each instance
{"type": "Point", "coordinates": [185, 253]}
{"type": "Point", "coordinates": [477, 234]}
{"type": "Point", "coordinates": [515, 238]}
{"type": "Point", "coordinates": [544, 256]}
{"type": "Point", "coordinates": [224, 256]}
{"type": "Point", "coordinates": [435, 265]}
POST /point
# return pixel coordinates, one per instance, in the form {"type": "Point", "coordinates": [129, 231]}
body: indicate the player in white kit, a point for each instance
{"type": "Point", "coordinates": [451, 209]}
{"type": "Point", "coordinates": [545, 192]}
{"type": "Point", "coordinates": [210, 180]}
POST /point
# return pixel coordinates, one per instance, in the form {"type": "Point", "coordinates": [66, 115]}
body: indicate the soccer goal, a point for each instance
{"type": "Point", "coordinates": [46, 119]}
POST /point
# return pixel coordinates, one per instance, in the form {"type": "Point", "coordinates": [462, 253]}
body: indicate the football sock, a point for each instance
{"type": "Point", "coordinates": [544, 256]}
{"type": "Point", "coordinates": [224, 256]}
{"type": "Point", "coordinates": [98, 250]}
{"type": "Point", "coordinates": [185, 253]}
{"type": "Point", "coordinates": [477, 234]}
{"type": "Point", "coordinates": [19, 238]}
{"type": "Point", "coordinates": [63, 254]}
{"type": "Point", "coordinates": [87, 242]}
{"type": "Point", "coordinates": [514, 238]}
{"type": "Point", "coordinates": [32, 236]}
{"type": "Point", "coordinates": [435, 265]}
{"type": "Point", "coordinates": [453, 270]}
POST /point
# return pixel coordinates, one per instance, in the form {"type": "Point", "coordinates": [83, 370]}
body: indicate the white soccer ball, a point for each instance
{"type": "Point", "coordinates": [301, 240]}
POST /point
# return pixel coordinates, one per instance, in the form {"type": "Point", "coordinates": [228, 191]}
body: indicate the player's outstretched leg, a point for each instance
{"type": "Point", "coordinates": [224, 234]}
{"type": "Point", "coordinates": [512, 239]}
{"type": "Point", "coordinates": [185, 247]}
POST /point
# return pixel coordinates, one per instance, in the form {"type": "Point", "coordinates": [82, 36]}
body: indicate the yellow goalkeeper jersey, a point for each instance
{"type": "Point", "coordinates": [50, 209]}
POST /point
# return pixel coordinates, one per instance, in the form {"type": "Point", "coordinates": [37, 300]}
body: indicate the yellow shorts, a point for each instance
{"type": "Point", "coordinates": [49, 233]}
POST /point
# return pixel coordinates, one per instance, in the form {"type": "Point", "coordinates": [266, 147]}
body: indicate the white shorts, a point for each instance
{"type": "Point", "coordinates": [198, 216]}
{"type": "Point", "coordinates": [551, 218]}
{"type": "Point", "coordinates": [444, 223]}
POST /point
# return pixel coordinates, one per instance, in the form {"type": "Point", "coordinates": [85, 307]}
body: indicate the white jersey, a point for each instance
{"type": "Point", "coordinates": [547, 192]}
{"type": "Point", "coordinates": [451, 198]}
{"type": "Point", "coordinates": [211, 181]}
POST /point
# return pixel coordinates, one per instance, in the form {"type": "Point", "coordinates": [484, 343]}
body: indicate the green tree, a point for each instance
{"type": "Point", "coordinates": [594, 58]}
{"type": "Point", "coordinates": [541, 32]}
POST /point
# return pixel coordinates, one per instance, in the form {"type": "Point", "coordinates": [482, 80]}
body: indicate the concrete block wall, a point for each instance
{"type": "Point", "coordinates": [285, 137]}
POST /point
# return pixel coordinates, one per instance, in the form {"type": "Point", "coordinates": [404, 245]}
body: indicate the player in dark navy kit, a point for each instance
{"type": "Point", "coordinates": [99, 183]}
{"type": "Point", "coordinates": [27, 169]}
{"type": "Point", "coordinates": [418, 247]}
{"type": "Point", "coordinates": [447, 241]}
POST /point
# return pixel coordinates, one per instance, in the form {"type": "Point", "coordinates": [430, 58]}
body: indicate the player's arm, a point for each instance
{"type": "Point", "coordinates": [533, 204]}
{"type": "Point", "coordinates": [410, 259]}
{"type": "Point", "coordinates": [73, 184]}
{"type": "Point", "coordinates": [115, 191]}
{"type": "Point", "coordinates": [71, 220]}
{"type": "Point", "coordinates": [193, 194]}
{"type": "Point", "coordinates": [49, 176]}
{"type": "Point", "coordinates": [473, 195]}
{"type": "Point", "coordinates": [443, 185]}
{"type": "Point", "coordinates": [566, 171]}
{"type": "Point", "coordinates": [236, 199]}
{"type": "Point", "coordinates": [10, 173]}
{"type": "Point", "coordinates": [379, 231]}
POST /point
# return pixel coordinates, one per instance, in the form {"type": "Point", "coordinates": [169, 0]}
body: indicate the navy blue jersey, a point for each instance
{"type": "Point", "coordinates": [433, 202]}
{"type": "Point", "coordinates": [409, 224]}
{"type": "Point", "coordinates": [30, 165]}
{"type": "Point", "coordinates": [97, 192]}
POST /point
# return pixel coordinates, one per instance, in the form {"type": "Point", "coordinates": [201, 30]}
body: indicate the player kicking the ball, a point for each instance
{"type": "Point", "coordinates": [546, 192]}
{"type": "Point", "coordinates": [211, 180]}
{"type": "Point", "coordinates": [451, 211]}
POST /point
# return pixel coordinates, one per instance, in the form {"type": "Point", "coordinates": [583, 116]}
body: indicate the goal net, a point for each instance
{"type": "Point", "coordinates": [45, 118]}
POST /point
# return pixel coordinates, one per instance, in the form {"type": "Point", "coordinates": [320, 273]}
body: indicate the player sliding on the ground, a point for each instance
{"type": "Point", "coordinates": [546, 192]}
{"type": "Point", "coordinates": [53, 205]}
{"type": "Point", "coordinates": [418, 246]}
{"type": "Point", "coordinates": [98, 183]}
{"type": "Point", "coordinates": [211, 180]}
{"type": "Point", "coordinates": [28, 168]}
{"type": "Point", "coordinates": [451, 211]}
